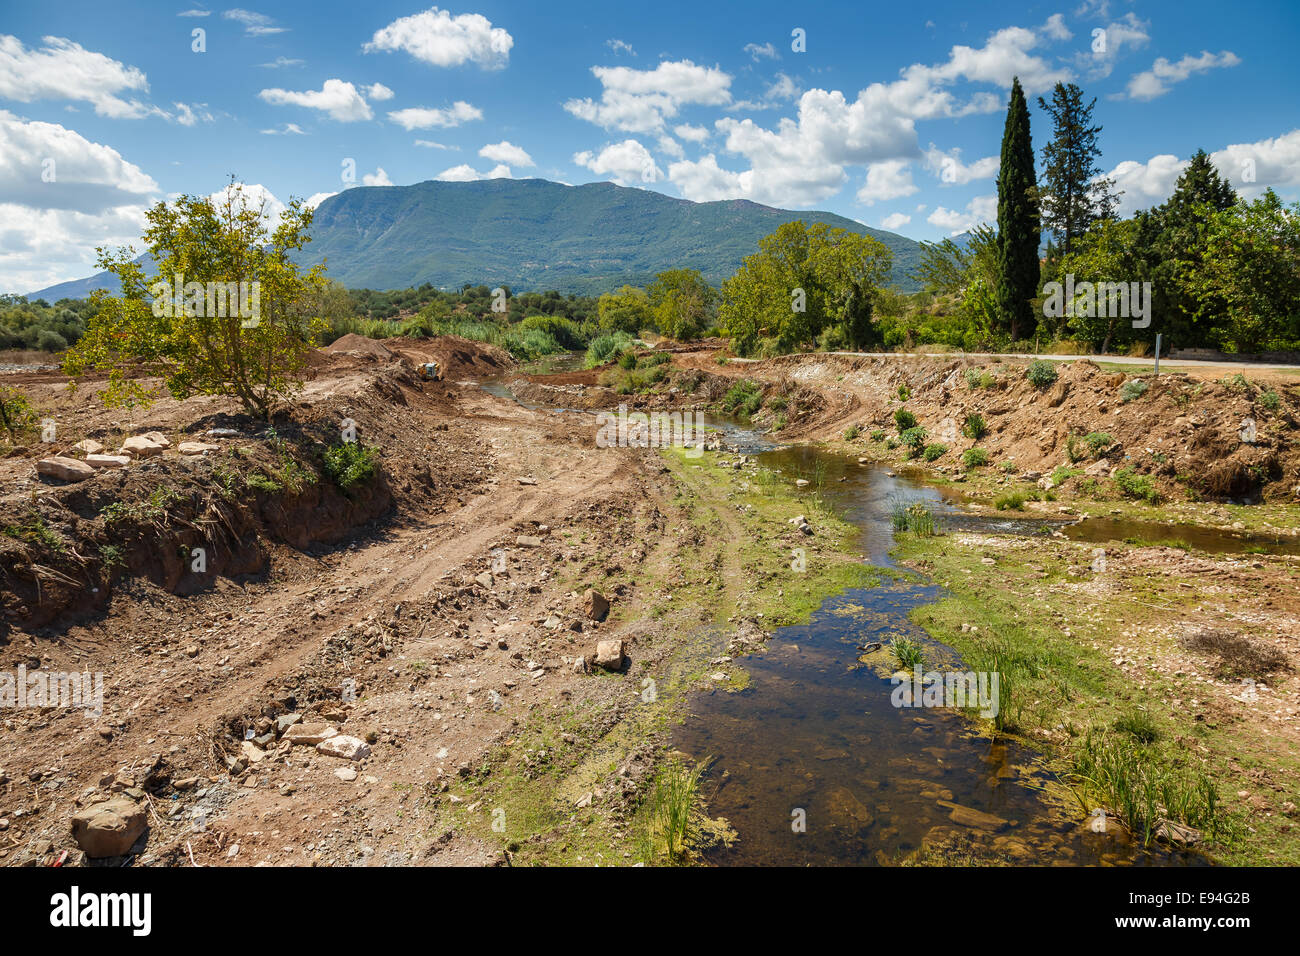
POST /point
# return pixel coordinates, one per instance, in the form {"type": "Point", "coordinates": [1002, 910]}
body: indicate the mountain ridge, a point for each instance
{"type": "Point", "coordinates": [535, 235]}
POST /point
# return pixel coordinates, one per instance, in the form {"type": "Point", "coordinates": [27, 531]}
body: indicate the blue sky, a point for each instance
{"type": "Point", "coordinates": [891, 114]}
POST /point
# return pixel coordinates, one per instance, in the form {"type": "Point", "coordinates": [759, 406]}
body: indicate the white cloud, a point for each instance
{"type": "Point", "coordinates": [981, 209]}
{"type": "Point", "coordinates": [290, 129]}
{"type": "Point", "coordinates": [255, 24]}
{"type": "Point", "coordinates": [1055, 28]}
{"type": "Point", "coordinates": [891, 179]}
{"type": "Point", "coordinates": [948, 167]}
{"type": "Point", "coordinates": [423, 118]}
{"type": "Point", "coordinates": [465, 173]}
{"type": "Point", "coordinates": [377, 178]}
{"type": "Point", "coordinates": [639, 101]}
{"type": "Point", "coordinates": [86, 177]}
{"type": "Point", "coordinates": [627, 163]}
{"type": "Point", "coordinates": [340, 100]}
{"type": "Point", "coordinates": [1156, 81]}
{"type": "Point", "coordinates": [507, 153]}
{"type": "Point", "coordinates": [430, 144]}
{"type": "Point", "coordinates": [781, 90]}
{"type": "Point", "coordinates": [191, 114]}
{"type": "Point", "coordinates": [438, 38]}
{"type": "Point", "coordinates": [618, 46]}
{"type": "Point", "coordinates": [692, 134]}
{"type": "Point", "coordinates": [315, 199]}
{"type": "Point", "coordinates": [378, 92]}
{"type": "Point", "coordinates": [195, 13]}
{"type": "Point", "coordinates": [1249, 167]}
{"type": "Point", "coordinates": [280, 62]}
{"type": "Point", "coordinates": [251, 196]}
{"type": "Point", "coordinates": [39, 247]}
{"type": "Point", "coordinates": [67, 71]}
{"type": "Point", "coordinates": [895, 221]}
{"type": "Point", "coordinates": [1126, 33]}
{"type": "Point", "coordinates": [766, 51]}
{"type": "Point", "coordinates": [705, 181]}
{"type": "Point", "coordinates": [670, 146]}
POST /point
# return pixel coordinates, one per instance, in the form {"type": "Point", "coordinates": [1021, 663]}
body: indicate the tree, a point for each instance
{"type": "Point", "coordinates": [1074, 194]}
{"type": "Point", "coordinates": [805, 281]}
{"type": "Point", "coordinates": [683, 303]}
{"type": "Point", "coordinates": [627, 310]}
{"type": "Point", "coordinates": [1110, 253]}
{"type": "Point", "coordinates": [1174, 236]}
{"type": "Point", "coordinates": [1252, 267]}
{"type": "Point", "coordinates": [1018, 223]}
{"type": "Point", "coordinates": [229, 312]}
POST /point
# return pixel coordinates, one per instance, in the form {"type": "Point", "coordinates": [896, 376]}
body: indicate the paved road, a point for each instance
{"type": "Point", "coordinates": [1114, 359]}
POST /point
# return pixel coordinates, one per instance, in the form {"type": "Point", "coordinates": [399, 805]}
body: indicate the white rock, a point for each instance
{"type": "Point", "coordinates": [108, 461]}
{"type": "Point", "coordinates": [65, 469]}
{"type": "Point", "coordinates": [341, 745]}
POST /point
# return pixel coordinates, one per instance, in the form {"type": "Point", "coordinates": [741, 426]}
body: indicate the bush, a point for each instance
{"type": "Point", "coordinates": [1015, 501]}
{"type": "Point", "coordinates": [603, 347]}
{"type": "Point", "coordinates": [1097, 442]}
{"type": "Point", "coordinates": [907, 653]}
{"type": "Point", "coordinates": [974, 427]}
{"type": "Point", "coordinates": [1269, 400]}
{"type": "Point", "coordinates": [1140, 487]}
{"type": "Point", "coordinates": [16, 413]}
{"type": "Point", "coordinates": [350, 464]}
{"type": "Point", "coordinates": [877, 435]}
{"type": "Point", "coordinates": [627, 360]}
{"type": "Point", "coordinates": [904, 419]}
{"type": "Point", "coordinates": [851, 433]}
{"type": "Point", "coordinates": [1134, 388]}
{"type": "Point", "coordinates": [904, 393]}
{"type": "Point", "coordinates": [914, 439]}
{"type": "Point", "coordinates": [1041, 373]}
{"type": "Point", "coordinates": [974, 457]}
{"type": "Point", "coordinates": [977, 378]}
{"type": "Point", "coordinates": [744, 398]}
{"type": "Point", "coordinates": [934, 451]}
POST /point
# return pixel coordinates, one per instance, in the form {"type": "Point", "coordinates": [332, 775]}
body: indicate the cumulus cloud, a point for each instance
{"type": "Point", "coordinates": [315, 199]}
{"type": "Point", "coordinates": [705, 181]}
{"type": "Point", "coordinates": [692, 134]}
{"type": "Point", "coordinates": [765, 52]}
{"type": "Point", "coordinates": [65, 70]}
{"type": "Point", "coordinates": [506, 152]}
{"type": "Point", "coordinates": [981, 209]}
{"type": "Point", "coordinates": [377, 178]}
{"type": "Point", "coordinates": [891, 179]}
{"type": "Point", "coordinates": [289, 129]}
{"type": "Point", "coordinates": [895, 221]}
{"type": "Point", "coordinates": [378, 92]}
{"type": "Point", "coordinates": [423, 118]}
{"type": "Point", "coordinates": [627, 163]}
{"type": "Point", "coordinates": [339, 100]}
{"type": "Point", "coordinates": [1107, 44]}
{"type": "Point", "coordinates": [639, 101]}
{"type": "Point", "coordinates": [949, 168]}
{"type": "Point", "coordinates": [438, 38]}
{"type": "Point", "coordinates": [1156, 81]}
{"type": "Point", "coordinates": [466, 173]}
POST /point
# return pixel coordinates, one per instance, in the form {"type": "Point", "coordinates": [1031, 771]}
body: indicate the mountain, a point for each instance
{"type": "Point", "coordinates": [533, 235]}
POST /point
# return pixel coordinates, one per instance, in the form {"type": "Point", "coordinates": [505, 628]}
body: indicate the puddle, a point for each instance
{"type": "Point", "coordinates": [816, 731]}
{"type": "Point", "coordinates": [1213, 540]}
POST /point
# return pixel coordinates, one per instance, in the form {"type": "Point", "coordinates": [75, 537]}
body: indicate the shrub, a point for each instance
{"type": "Point", "coordinates": [914, 439]}
{"type": "Point", "coordinates": [974, 427]}
{"type": "Point", "coordinates": [627, 360]}
{"type": "Point", "coordinates": [934, 451]}
{"type": "Point", "coordinates": [907, 653]}
{"type": "Point", "coordinates": [1269, 400]}
{"type": "Point", "coordinates": [603, 347]}
{"type": "Point", "coordinates": [1137, 486]}
{"type": "Point", "coordinates": [1097, 442]}
{"type": "Point", "coordinates": [974, 457]}
{"type": "Point", "coordinates": [1134, 388]}
{"type": "Point", "coordinates": [904, 393]}
{"type": "Point", "coordinates": [1041, 373]}
{"type": "Point", "coordinates": [1015, 501]}
{"type": "Point", "coordinates": [1062, 474]}
{"type": "Point", "coordinates": [744, 398]}
{"type": "Point", "coordinates": [878, 435]}
{"type": "Point", "coordinates": [777, 404]}
{"type": "Point", "coordinates": [904, 419]}
{"type": "Point", "coordinates": [350, 464]}
{"type": "Point", "coordinates": [851, 433]}
{"type": "Point", "coordinates": [977, 378]}
{"type": "Point", "coordinates": [16, 413]}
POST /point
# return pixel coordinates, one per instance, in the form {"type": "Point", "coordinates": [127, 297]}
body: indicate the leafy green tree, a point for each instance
{"type": "Point", "coordinates": [1109, 252]}
{"type": "Point", "coordinates": [805, 281]}
{"type": "Point", "coordinates": [242, 323]}
{"type": "Point", "coordinates": [1018, 225]}
{"type": "Point", "coordinates": [1173, 238]}
{"type": "Point", "coordinates": [683, 303]}
{"type": "Point", "coordinates": [1073, 193]}
{"type": "Point", "coordinates": [1252, 267]}
{"type": "Point", "coordinates": [627, 310]}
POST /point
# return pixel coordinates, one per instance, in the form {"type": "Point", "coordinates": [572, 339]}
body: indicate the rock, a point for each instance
{"type": "Point", "coordinates": [251, 752]}
{"type": "Point", "coordinates": [197, 447]}
{"type": "Point", "coordinates": [64, 469]}
{"type": "Point", "coordinates": [484, 579]}
{"type": "Point", "coordinates": [309, 735]}
{"type": "Point", "coordinates": [580, 665]}
{"type": "Point", "coordinates": [595, 606]}
{"type": "Point", "coordinates": [1177, 833]}
{"type": "Point", "coordinates": [341, 745]}
{"type": "Point", "coordinates": [1098, 469]}
{"type": "Point", "coordinates": [609, 655]}
{"type": "Point", "coordinates": [103, 462]}
{"type": "Point", "coordinates": [346, 774]}
{"type": "Point", "coordinates": [528, 541]}
{"type": "Point", "coordinates": [845, 808]}
{"type": "Point", "coordinates": [528, 481]}
{"type": "Point", "coordinates": [140, 446]}
{"type": "Point", "coordinates": [801, 482]}
{"type": "Point", "coordinates": [158, 438]}
{"type": "Point", "coordinates": [110, 828]}
{"type": "Point", "coordinates": [221, 433]}
{"type": "Point", "coordinates": [89, 447]}
{"type": "Point", "coordinates": [970, 817]}
{"type": "Point", "coordinates": [285, 721]}
{"type": "Point", "coordinates": [1046, 483]}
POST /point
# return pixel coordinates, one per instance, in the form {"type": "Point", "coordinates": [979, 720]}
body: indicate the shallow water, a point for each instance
{"type": "Point", "coordinates": [816, 731]}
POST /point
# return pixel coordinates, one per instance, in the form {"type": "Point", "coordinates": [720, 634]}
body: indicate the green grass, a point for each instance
{"type": "Point", "coordinates": [351, 464]}
{"type": "Point", "coordinates": [670, 825]}
{"type": "Point", "coordinates": [934, 451]}
{"type": "Point", "coordinates": [974, 427]}
{"type": "Point", "coordinates": [34, 530]}
{"type": "Point", "coordinates": [1041, 373]}
{"type": "Point", "coordinates": [744, 398]}
{"type": "Point", "coordinates": [907, 653]}
{"type": "Point", "coordinates": [1011, 501]}
{"type": "Point", "coordinates": [974, 457]}
{"type": "Point", "coordinates": [1138, 487]}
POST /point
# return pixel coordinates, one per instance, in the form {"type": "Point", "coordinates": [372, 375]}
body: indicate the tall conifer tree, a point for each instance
{"type": "Point", "coordinates": [1018, 221]}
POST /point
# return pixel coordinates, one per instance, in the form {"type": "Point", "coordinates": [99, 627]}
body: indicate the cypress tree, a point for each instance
{"type": "Point", "coordinates": [1018, 222]}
